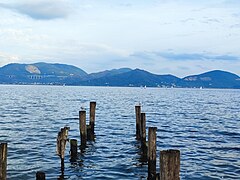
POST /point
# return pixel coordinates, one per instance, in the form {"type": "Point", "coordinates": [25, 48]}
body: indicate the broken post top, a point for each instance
{"type": "Point", "coordinates": [153, 128]}
{"type": "Point", "coordinates": [170, 151]}
{"type": "Point", "coordinates": [93, 102]}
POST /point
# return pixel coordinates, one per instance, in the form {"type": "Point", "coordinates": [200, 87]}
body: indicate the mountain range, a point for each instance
{"type": "Point", "coordinates": [63, 74]}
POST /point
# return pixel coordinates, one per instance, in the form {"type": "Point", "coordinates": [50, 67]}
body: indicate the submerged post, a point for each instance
{"type": "Point", "coordinates": [3, 161]}
{"type": "Point", "coordinates": [40, 175]}
{"type": "Point", "coordinates": [138, 117]}
{"type": "Point", "coordinates": [73, 149]}
{"type": "Point", "coordinates": [170, 165]}
{"type": "Point", "coordinates": [92, 116]}
{"type": "Point", "coordinates": [152, 153]}
{"type": "Point", "coordinates": [83, 128]}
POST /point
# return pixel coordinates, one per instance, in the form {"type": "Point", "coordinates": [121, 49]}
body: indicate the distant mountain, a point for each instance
{"type": "Point", "coordinates": [212, 79]}
{"type": "Point", "coordinates": [107, 73]}
{"type": "Point", "coordinates": [41, 69]}
{"type": "Point", "coordinates": [135, 77]}
{"type": "Point", "coordinates": [39, 73]}
{"type": "Point", "coordinates": [58, 74]}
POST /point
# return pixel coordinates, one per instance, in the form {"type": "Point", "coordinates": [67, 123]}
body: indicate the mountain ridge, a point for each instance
{"type": "Point", "coordinates": [59, 74]}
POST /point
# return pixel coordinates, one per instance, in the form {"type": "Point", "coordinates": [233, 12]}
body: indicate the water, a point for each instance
{"type": "Point", "coordinates": [203, 124]}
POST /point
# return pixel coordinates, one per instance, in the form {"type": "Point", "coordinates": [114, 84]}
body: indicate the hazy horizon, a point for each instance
{"type": "Point", "coordinates": [178, 37]}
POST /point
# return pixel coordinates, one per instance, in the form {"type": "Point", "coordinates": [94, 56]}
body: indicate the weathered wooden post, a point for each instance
{"type": "Point", "coordinates": [3, 161]}
{"type": "Point", "coordinates": [143, 134]}
{"type": "Point", "coordinates": [143, 128]}
{"type": "Point", "coordinates": [92, 116]}
{"type": "Point", "coordinates": [138, 117]}
{"type": "Point", "coordinates": [170, 165]}
{"type": "Point", "coordinates": [83, 128]}
{"type": "Point", "coordinates": [73, 149]}
{"type": "Point", "coordinates": [61, 144]}
{"type": "Point", "coordinates": [40, 175]}
{"type": "Point", "coordinates": [152, 153]}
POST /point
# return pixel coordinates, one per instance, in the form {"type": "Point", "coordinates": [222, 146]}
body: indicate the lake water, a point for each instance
{"type": "Point", "coordinates": [204, 124]}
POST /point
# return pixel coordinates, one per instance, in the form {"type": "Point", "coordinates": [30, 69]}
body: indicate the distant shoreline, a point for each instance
{"type": "Point", "coordinates": [150, 87]}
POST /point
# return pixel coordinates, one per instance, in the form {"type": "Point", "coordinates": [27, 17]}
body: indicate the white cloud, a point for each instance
{"type": "Point", "coordinates": [40, 9]}
{"type": "Point", "coordinates": [8, 58]}
{"type": "Point", "coordinates": [97, 35]}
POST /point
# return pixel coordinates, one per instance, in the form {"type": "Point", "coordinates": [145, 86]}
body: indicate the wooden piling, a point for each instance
{"type": "Point", "coordinates": [152, 153]}
{"type": "Point", "coordinates": [40, 175]}
{"type": "Point", "coordinates": [3, 161]}
{"type": "Point", "coordinates": [83, 128]}
{"type": "Point", "coordinates": [62, 139]}
{"type": "Point", "coordinates": [143, 128]}
{"type": "Point", "coordinates": [138, 118]}
{"type": "Point", "coordinates": [170, 165]}
{"type": "Point", "coordinates": [73, 149]}
{"type": "Point", "coordinates": [92, 116]}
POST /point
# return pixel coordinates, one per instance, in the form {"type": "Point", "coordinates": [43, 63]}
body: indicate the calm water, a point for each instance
{"type": "Point", "coordinates": [203, 124]}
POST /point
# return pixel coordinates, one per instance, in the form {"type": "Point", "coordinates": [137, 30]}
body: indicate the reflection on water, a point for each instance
{"type": "Point", "coordinates": [203, 124]}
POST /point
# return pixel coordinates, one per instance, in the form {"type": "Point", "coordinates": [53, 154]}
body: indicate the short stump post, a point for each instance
{"type": "Point", "coordinates": [170, 165]}
{"type": "Point", "coordinates": [40, 175]}
{"type": "Point", "coordinates": [73, 149]}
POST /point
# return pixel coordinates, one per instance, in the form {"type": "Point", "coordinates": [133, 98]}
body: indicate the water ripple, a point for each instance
{"type": "Point", "coordinates": [204, 125]}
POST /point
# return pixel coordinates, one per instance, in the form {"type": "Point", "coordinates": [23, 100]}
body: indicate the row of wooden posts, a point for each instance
{"type": "Point", "coordinates": [169, 159]}
{"type": "Point", "coordinates": [86, 134]}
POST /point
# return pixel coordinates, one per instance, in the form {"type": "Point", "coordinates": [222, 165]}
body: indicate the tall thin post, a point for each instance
{"type": "Point", "coordinates": [143, 135]}
{"type": "Point", "coordinates": [83, 128]}
{"type": "Point", "coordinates": [92, 115]}
{"type": "Point", "coordinates": [3, 161]}
{"type": "Point", "coordinates": [152, 136]}
{"type": "Point", "coordinates": [40, 175]}
{"type": "Point", "coordinates": [143, 128]}
{"type": "Point", "coordinates": [138, 117]}
{"type": "Point", "coordinates": [170, 165]}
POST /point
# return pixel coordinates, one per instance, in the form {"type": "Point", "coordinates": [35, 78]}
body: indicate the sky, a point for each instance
{"type": "Point", "coordinates": [179, 37]}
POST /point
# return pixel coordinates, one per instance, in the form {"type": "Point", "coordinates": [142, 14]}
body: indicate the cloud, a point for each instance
{"type": "Point", "coordinates": [182, 56]}
{"type": "Point", "coordinates": [7, 58]}
{"type": "Point", "coordinates": [40, 9]}
{"type": "Point", "coordinates": [196, 56]}
{"type": "Point", "coordinates": [143, 55]}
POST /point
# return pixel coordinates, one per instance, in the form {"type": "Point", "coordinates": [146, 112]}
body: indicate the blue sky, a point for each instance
{"type": "Point", "coordinates": [179, 37]}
